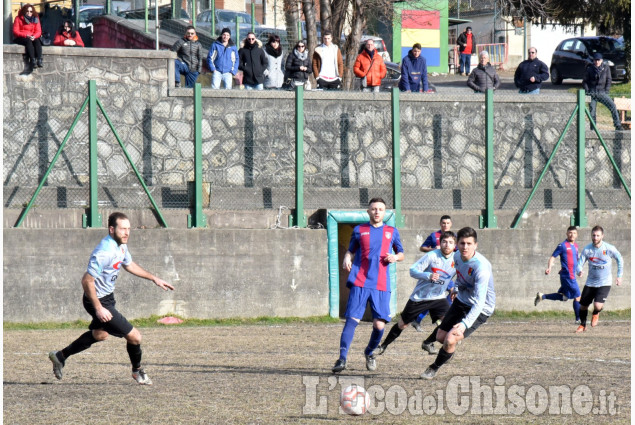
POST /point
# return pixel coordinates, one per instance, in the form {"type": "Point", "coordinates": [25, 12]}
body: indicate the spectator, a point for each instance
{"type": "Point", "coordinates": [68, 36]}
{"type": "Point", "coordinates": [597, 82]}
{"type": "Point", "coordinates": [253, 63]}
{"type": "Point", "coordinates": [27, 31]}
{"type": "Point", "coordinates": [467, 47]}
{"type": "Point", "coordinates": [274, 73]}
{"type": "Point", "coordinates": [189, 60]}
{"type": "Point", "coordinates": [327, 63]}
{"type": "Point", "coordinates": [297, 65]}
{"type": "Point", "coordinates": [370, 67]}
{"type": "Point", "coordinates": [484, 76]}
{"type": "Point", "coordinates": [222, 60]}
{"type": "Point", "coordinates": [414, 71]}
{"type": "Point", "coordinates": [531, 73]}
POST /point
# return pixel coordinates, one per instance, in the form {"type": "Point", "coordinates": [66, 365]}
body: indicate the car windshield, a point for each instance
{"type": "Point", "coordinates": [243, 18]}
{"type": "Point", "coordinates": [603, 45]}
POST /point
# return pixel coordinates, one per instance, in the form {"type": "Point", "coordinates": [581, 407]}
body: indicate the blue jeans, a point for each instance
{"type": "Point", "coordinates": [465, 62]}
{"type": "Point", "coordinates": [254, 87]}
{"type": "Point", "coordinates": [536, 91]}
{"type": "Point", "coordinates": [182, 68]}
{"type": "Point", "coordinates": [605, 100]}
{"type": "Point", "coordinates": [226, 78]}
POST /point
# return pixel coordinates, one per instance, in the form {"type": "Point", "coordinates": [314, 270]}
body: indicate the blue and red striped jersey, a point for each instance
{"type": "Point", "coordinates": [568, 253]}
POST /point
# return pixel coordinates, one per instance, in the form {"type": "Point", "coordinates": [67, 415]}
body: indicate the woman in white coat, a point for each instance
{"type": "Point", "coordinates": [274, 74]}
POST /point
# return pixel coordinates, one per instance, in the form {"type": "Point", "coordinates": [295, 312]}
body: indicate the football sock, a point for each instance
{"type": "Point", "coordinates": [442, 358]}
{"type": "Point", "coordinates": [421, 316]}
{"type": "Point", "coordinates": [432, 337]}
{"type": "Point", "coordinates": [392, 335]}
{"type": "Point", "coordinates": [553, 297]}
{"type": "Point", "coordinates": [80, 344]}
{"type": "Point", "coordinates": [347, 337]}
{"type": "Point", "coordinates": [576, 309]}
{"type": "Point", "coordinates": [375, 339]}
{"type": "Point", "coordinates": [583, 315]}
{"type": "Point", "coordinates": [134, 351]}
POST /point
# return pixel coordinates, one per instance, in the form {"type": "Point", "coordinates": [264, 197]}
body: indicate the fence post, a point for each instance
{"type": "Point", "coordinates": [213, 20]}
{"type": "Point", "coordinates": [488, 221]}
{"type": "Point", "coordinates": [145, 15]}
{"type": "Point", "coordinates": [93, 218]}
{"type": "Point", "coordinates": [579, 216]}
{"type": "Point", "coordinates": [396, 157]}
{"type": "Point", "coordinates": [197, 219]}
{"type": "Point", "coordinates": [299, 218]}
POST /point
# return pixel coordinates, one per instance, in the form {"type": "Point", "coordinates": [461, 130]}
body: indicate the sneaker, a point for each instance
{"type": "Point", "coordinates": [578, 321]}
{"type": "Point", "coordinates": [380, 350]}
{"type": "Point", "coordinates": [340, 365]}
{"type": "Point", "coordinates": [177, 84]}
{"type": "Point", "coordinates": [430, 372]}
{"type": "Point", "coordinates": [371, 362]}
{"type": "Point", "coordinates": [57, 364]}
{"type": "Point", "coordinates": [141, 377]}
{"type": "Point", "coordinates": [581, 328]}
{"type": "Point", "coordinates": [595, 319]}
{"type": "Point", "coordinates": [417, 326]}
{"type": "Point", "coordinates": [430, 348]}
{"type": "Point", "coordinates": [538, 298]}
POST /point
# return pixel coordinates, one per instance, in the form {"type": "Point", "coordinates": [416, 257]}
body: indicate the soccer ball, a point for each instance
{"type": "Point", "coordinates": [354, 400]}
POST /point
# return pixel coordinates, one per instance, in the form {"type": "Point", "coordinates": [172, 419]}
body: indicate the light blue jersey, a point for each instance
{"type": "Point", "coordinates": [105, 262]}
{"type": "Point", "coordinates": [475, 284]}
{"type": "Point", "coordinates": [600, 264]}
{"type": "Point", "coordinates": [432, 262]}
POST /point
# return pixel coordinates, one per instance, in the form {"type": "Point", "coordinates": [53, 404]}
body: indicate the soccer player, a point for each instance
{"type": "Point", "coordinates": [598, 284]}
{"type": "Point", "coordinates": [369, 280]}
{"type": "Point", "coordinates": [99, 283]}
{"type": "Point", "coordinates": [475, 285]}
{"type": "Point", "coordinates": [569, 289]}
{"type": "Point", "coordinates": [434, 272]}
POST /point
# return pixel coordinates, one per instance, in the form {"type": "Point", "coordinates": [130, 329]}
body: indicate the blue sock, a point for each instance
{"type": "Point", "coordinates": [421, 316]}
{"type": "Point", "coordinates": [576, 309]}
{"type": "Point", "coordinates": [347, 337]}
{"type": "Point", "coordinates": [375, 339]}
{"type": "Point", "coordinates": [553, 297]}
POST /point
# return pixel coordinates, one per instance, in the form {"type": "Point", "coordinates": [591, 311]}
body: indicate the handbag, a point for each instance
{"type": "Point", "coordinates": [45, 38]}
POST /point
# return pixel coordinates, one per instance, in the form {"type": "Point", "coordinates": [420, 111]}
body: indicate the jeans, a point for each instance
{"type": "Point", "coordinates": [373, 89]}
{"type": "Point", "coordinates": [465, 62]}
{"type": "Point", "coordinates": [182, 68]}
{"type": "Point", "coordinates": [254, 86]}
{"type": "Point", "coordinates": [605, 100]}
{"type": "Point", "coordinates": [536, 91]}
{"type": "Point", "coordinates": [226, 78]}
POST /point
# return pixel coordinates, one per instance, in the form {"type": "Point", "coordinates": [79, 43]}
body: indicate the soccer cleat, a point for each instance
{"type": "Point", "coordinates": [340, 365]}
{"type": "Point", "coordinates": [430, 372]}
{"type": "Point", "coordinates": [595, 319]}
{"type": "Point", "coordinates": [371, 362]}
{"type": "Point", "coordinates": [141, 377]}
{"type": "Point", "coordinates": [380, 350]}
{"type": "Point", "coordinates": [417, 326]}
{"type": "Point", "coordinates": [538, 298]}
{"type": "Point", "coordinates": [430, 348]}
{"type": "Point", "coordinates": [581, 328]}
{"type": "Point", "coordinates": [57, 364]}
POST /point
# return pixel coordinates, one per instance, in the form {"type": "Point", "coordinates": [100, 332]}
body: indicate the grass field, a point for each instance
{"type": "Point", "coordinates": [280, 373]}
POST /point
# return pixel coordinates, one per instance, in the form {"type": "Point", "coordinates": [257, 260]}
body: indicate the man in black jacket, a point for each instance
{"type": "Point", "coordinates": [253, 63]}
{"type": "Point", "coordinates": [597, 83]}
{"type": "Point", "coordinates": [189, 60]}
{"type": "Point", "coordinates": [467, 47]}
{"type": "Point", "coordinates": [531, 73]}
{"type": "Point", "coordinates": [484, 76]}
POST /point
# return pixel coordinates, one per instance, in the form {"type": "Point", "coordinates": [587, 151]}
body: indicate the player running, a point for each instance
{"type": "Point", "coordinates": [99, 284]}
{"type": "Point", "coordinates": [600, 255]}
{"type": "Point", "coordinates": [569, 289]}
{"type": "Point", "coordinates": [369, 280]}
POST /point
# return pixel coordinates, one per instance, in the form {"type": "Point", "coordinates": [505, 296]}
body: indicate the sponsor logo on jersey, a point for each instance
{"type": "Point", "coordinates": [364, 233]}
{"type": "Point", "coordinates": [597, 260]}
{"type": "Point", "coordinates": [441, 272]}
{"type": "Point", "coordinates": [116, 265]}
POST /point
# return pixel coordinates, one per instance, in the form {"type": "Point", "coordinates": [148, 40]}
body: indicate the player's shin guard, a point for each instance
{"type": "Point", "coordinates": [442, 358]}
{"type": "Point", "coordinates": [375, 339]}
{"type": "Point", "coordinates": [576, 309]}
{"type": "Point", "coordinates": [347, 337]}
{"type": "Point", "coordinates": [432, 337]}
{"type": "Point", "coordinates": [392, 335]}
{"type": "Point", "coordinates": [134, 351]}
{"type": "Point", "coordinates": [80, 344]}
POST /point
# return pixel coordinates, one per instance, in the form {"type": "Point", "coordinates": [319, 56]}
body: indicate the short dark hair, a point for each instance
{"type": "Point", "coordinates": [112, 218]}
{"type": "Point", "coordinates": [466, 232]}
{"type": "Point", "coordinates": [570, 228]}
{"type": "Point", "coordinates": [327, 32]}
{"type": "Point", "coordinates": [273, 37]}
{"type": "Point", "coordinates": [416, 46]}
{"type": "Point", "coordinates": [190, 27]}
{"type": "Point", "coordinates": [596, 228]}
{"type": "Point", "coordinates": [372, 201]}
{"type": "Point", "coordinates": [445, 217]}
{"type": "Point", "coordinates": [448, 235]}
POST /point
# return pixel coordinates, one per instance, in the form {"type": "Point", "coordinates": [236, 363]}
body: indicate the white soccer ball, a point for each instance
{"type": "Point", "coordinates": [354, 400]}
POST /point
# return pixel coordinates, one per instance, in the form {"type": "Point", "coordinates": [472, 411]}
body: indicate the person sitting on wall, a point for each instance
{"type": "Point", "coordinates": [68, 36]}
{"type": "Point", "coordinates": [27, 31]}
{"type": "Point", "coordinates": [189, 59]}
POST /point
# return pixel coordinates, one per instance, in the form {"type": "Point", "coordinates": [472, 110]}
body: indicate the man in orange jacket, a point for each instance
{"type": "Point", "coordinates": [370, 67]}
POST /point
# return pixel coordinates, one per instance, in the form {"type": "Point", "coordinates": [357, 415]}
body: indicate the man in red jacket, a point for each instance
{"type": "Point", "coordinates": [370, 67]}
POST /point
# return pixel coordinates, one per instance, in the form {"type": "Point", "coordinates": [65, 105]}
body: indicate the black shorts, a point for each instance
{"type": "Point", "coordinates": [437, 309]}
{"type": "Point", "coordinates": [117, 326]}
{"type": "Point", "coordinates": [591, 294]}
{"type": "Point", "coordinates": [482, 318]}
{"type": "Point", "coordinates": [455, 314]}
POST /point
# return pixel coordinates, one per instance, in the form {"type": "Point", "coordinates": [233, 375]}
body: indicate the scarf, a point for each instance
{"type": "Point", "coordinates": [31, 20]}
{"type": "Point", "coordinates": [273, 52]}
{"type": "Point", "coordinates": [371, 53]}
{"type": "Point", "coordinates": [301, 56]}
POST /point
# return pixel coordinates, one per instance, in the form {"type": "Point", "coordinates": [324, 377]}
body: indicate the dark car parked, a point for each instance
{"type": "Point", "coordinates": [573, 55]}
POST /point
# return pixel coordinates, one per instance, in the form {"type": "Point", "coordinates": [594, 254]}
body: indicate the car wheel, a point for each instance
{"type": "Point", "coordinates": [556, 78]}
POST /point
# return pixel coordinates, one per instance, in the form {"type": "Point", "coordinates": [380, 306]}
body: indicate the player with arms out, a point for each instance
{"type": "Point", "coordinates": [569, 289]}
{"type": "Point", "coordinates": [434, 272]}
{"type": "Point", "coordinates": [99, 284]}
{"type": "Point", "coordinates": [600, 256]}
{"type": "Point", "coordinates": [368, 259]}
{"type": "Point", "coordinates": [474, 302]}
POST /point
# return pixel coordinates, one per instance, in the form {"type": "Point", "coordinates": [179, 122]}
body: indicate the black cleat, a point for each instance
{"type": "Point", "coordinates": [340, 365]}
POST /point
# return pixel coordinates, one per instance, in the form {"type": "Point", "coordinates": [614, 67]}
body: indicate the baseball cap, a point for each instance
{"type": "Point", "coordinates": [597, 55]}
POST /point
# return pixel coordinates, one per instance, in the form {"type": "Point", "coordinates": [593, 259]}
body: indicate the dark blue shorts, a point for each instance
{"type": "Point", "coordinates": [117, 326]}
{"type": "Point", "coordinates": [569, 287]}
{"type": "Point", "coordinates": [359, 297]}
